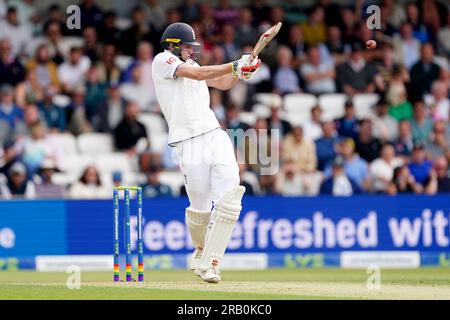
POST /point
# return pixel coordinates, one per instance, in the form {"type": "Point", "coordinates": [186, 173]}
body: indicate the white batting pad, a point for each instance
{"type": "Point", "coordinates": [197, 222]}
{"type": "Point", "coordinates": [224, 217]}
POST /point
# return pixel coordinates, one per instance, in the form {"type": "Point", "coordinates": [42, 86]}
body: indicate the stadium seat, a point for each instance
{"type": "Point", "coordinates": [75, 164]}
{"type": "Point", "coordinates": [268, 99]}
{"type": "Point", "coordinates": [298, 106]}
{"type": "Point", "coordinates": [95, 143]}
{"type": "Point", "coordinates": [174, 179]}
{"type": "Point", "coordinates": [158, 142]}
{"type": "Point", "coordinates": [261, 111]}
{"type": "Point", "coordinates": [123, 61]}
{"type": "Point", "coordinates": [247, 117]}
{"type": "Point", "coordinates": [64, 179]}
{"type": "Point", "coordinates": [364, 103]}
{"type": "Point", "coordinates": [154, 123]}
{"type": "Point", "coordinates": [117, 161]}
{"type": "Point", "coordinates": [123, 23]}
{"type": "Point", "coordinates": [66, 142]}
{"type": "Point", "coordinates": [332, 105]}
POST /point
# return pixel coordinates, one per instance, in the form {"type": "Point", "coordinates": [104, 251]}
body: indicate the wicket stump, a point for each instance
{"type": "Point", "coordinates": [127, 234]}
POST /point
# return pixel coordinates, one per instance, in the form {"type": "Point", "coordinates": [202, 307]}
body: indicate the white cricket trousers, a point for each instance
{"type": "Point", "coordinates": [209, 167]}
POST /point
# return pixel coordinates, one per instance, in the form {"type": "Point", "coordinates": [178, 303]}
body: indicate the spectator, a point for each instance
{"type": "Point", "coordinates": [420, 30]}
{"type": "Point", "coordinates": [315, 29]}
{"type": "Point", "coordinates": [225, 13]}
{"type": "Point", "coordinates": [319, 75]}
{"type": "Point", "coordinates": [388, 71]}
{"type": "Point", "coordinates": [19, 186]}
{"type": "Point", "coordinates": [442, 173]}
{"type": "Point", "coordinates": [229, 43]}
{"type": "Point", "coordinates": [397, 14]}
{"type": "Point", "coordinates": [367, 145]}
{"type": "Point", "coordinates": [139, 31]}
{"type": "Point", "coordinates": [382, 170]}
{"type": "Point", "coordinates": [274, 121]}
{"type": "Point", "coordinates": [47, 70]}
{"type": "Point", "coordinates": [45, 188]}
{"type": "Point", "coordinates": [30, 91]}
{"type": "Point", "coordinates": [90, 47]}
{"type": "Point", "coordinates": [37, 147]}
{"type": "Point", "coordinates": [18, 34]}
{"type": "Point", "coordinates": [421, 168]}
{"type": "Point", "coordinates": [11, 68]}
{"type": "Point", "coordinates": [58, 46]}
{"type": "Point", "coordinates": [27, 14]}
{"type": "Point", "coordinates": [91, 14]}
{"type": "Point", "coordinates": [421, 123]}
{"type": "Point", "coordinates": [285, 78]}
{"type": "Point", "coordinates": [356, 75]}
{"type": "Point", "coordinates": [396, 95]}
{"type": "Point", "coordinates": [438, 144]}
{"type": "Point", "coordinates": [136, 92]}
{"type": "Point", "coordinates": [385, 127]}
{"type": "Point", "coordinates": [313, 127]}
{"type": "Point", "coordinates": [248, 179]}
{"type": "Point", "coordinates": [129, 130]}
{"type": "Point", "coordinates": [77, 122]}
{"type": "Point", "coordinates": [260, 11]}
{"type": "Point", "coordinates": [404, 182]}
{"type": "Point", "coordinates": [443, 38]}
{"type": "Point", "coordinates": [296, 44]}
{"type": "Point", "coordinates": [110, 111]}
{"type": "Point", "coordinates": [217, 105]}
{"type": "Point", "coordinates": [55, 14]}
{"type": "Point", "coordinates": [117, 179]}
{"type": "Point", "coordinates": [72, 72]}
{"type": "Point", "coordinates": [289, 182]}
{"type": "Point", "coordinates": [267, 185]}
{"type": "Point", "coordinates": [107, 69]}
{"type": "Point", "coordinates": [331, 9]}
{"type": "Point", "coordinates": [339, 184]}
{"type": "Point", "coordinates": [438, 102]}
{"type": "Point", "coordinates": [404, 144]}
{"type": "Point", "coordinates": [9, 112]}
{"type": "Point", "coordinates": [95, 93]}
{"type": "Point", "coordinates": [339, 50]}
{"type": "Point", "coordinates": [54, 116]}
{"type": "Point", "coordinates": [155, 14]}
{"type": "Point", "coordinates": [347, 126]}
{"type": "Point", "coordinates": [245, 31]}
{"type": "Point", "coordinates": [406, 47]}
{"type": "Point", "coordinates": [143, 63]}
{"type": "Point", "coordinates": [300, 150]}
{"type": "Point", "coordinates": [189, 10]}
{"type": "Point", "coordinates": [423, 73]}
{"type": "Point", "coordinates": [108, 33]}
{"type": "Point", "coordinates": [233, 122]}
{"type": "Point", "coordinates": [349, 24]}
{"type": "Point", "coordinates": [153, 187]}
{"type": "Point", "coordinates": [89, 186]}
{"type": "Point", "coordinates": [326, 145]}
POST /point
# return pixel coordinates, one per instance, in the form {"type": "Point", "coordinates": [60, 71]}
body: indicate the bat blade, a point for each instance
{"type": "Point", "coordinates": [264, 40]}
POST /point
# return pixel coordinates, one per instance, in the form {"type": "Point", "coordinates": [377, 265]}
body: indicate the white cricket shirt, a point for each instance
{"type": "Point", "coordinates": [183, 101]}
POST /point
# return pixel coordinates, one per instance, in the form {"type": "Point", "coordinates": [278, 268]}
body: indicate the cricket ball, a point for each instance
{"type": "Point", "coordinates": [371, 44]}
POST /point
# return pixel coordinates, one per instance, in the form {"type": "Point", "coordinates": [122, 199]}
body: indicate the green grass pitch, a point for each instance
{"type": "Point", "coordinates": [324, 283]}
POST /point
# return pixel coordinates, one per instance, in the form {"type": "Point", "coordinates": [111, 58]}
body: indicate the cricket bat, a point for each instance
{"type": "Point", "coordinates": [264, 40]}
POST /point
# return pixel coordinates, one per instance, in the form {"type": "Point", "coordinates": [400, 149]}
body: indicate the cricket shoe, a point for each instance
{"type": "Point", "coordinates": [211, 275]}
{"type": "Point", "coordinates": [194, 260]}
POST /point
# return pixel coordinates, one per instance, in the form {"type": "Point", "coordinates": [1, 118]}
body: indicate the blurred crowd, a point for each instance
{"type": "Point", "coordinates": [97, 79]}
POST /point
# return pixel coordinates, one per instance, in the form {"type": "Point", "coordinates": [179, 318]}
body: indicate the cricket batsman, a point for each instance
{"type": "Point", "coordinates": [206, 156]}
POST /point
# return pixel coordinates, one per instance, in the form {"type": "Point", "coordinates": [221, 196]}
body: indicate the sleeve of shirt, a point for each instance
{"type": "Point", "coordinates": [166, 65]}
